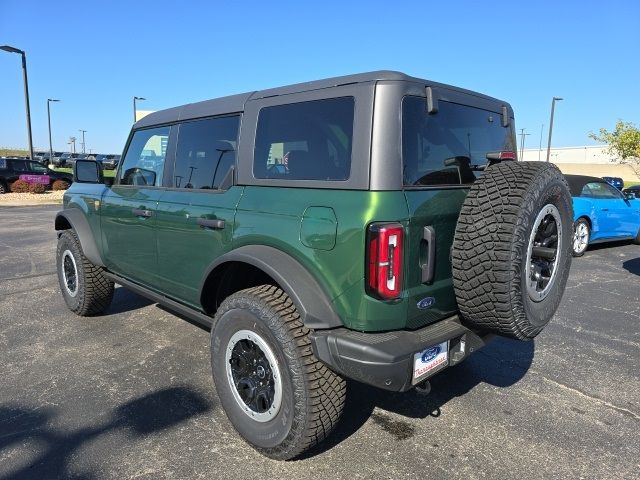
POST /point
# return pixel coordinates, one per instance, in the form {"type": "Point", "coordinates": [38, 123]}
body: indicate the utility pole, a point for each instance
{"type": "Point", "coordinates": [83, 132]}
{"type": "Point", "coordinates": [522, 135]}
{"type": "Point", "coordinates": [49, 100]}
{"type": "Point", "coordinates": [540, 146]}
{"type": "Point", "coordinates": [72, 141]}
{"type": "Point", "coordinates": [553, 107]}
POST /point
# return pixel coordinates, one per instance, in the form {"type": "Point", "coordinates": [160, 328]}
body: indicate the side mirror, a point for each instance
{"type": "Point", "coordinates": [87, 171]}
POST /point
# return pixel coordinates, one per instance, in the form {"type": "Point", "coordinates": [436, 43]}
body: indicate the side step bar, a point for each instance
{"type": "Point", "coordinates": [176, 307]}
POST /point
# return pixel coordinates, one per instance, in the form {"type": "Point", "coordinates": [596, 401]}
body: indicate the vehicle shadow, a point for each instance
{"type": "Point", "coordinates": [502, 363]}
{"type": "Point", "coordinates": [126, 301]}
{"type": "Point", "coordinates": [141, 416]}
{"type": "Point", "coordinates": [632, 266]}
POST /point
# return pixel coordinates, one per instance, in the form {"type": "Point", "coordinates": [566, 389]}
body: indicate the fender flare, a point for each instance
{"type": "Point", "coordinates": [76, 219]}
{"type": "Point", "coordinates": [312, 303]}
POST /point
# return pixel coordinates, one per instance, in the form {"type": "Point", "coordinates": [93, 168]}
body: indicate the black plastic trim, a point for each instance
{"type": "Point", "coordinates": [78, 221]}
{"type": "Point", "coordinates": [384, 360]}
{"type": "Point", "coordinates": [311, 301]}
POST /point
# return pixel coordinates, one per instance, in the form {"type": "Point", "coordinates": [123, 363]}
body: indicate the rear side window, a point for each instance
{"type": "Point", "coordinates": [449, 147]}
{"type": "Point", "coordinates": [3, 164]}
{"type": "Point", "coordinates": [206, 152]}
{"type": "Point", "coordinates": [305, 141]}
{"type": "Point", "coordinates": [144, 161]}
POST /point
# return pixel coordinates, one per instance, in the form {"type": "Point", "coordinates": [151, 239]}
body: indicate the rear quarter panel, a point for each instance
{"type": "Point", "coordinates": [273, 216]}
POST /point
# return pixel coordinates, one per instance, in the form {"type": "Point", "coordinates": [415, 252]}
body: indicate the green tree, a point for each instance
{"type": "Point", "coordinates": [623, 142]}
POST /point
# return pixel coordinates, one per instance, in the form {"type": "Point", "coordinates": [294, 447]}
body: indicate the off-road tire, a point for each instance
{"type": "Point", "coordinates": [312, 395]}
{"type": "Point", "coordinates": [581, 221]}
{"type": "Point", "coordinates": [94, 290]}
{"type": "Point", "coordinates": [637, 240]}
{"type": "Point", "coordinates": [491, 242]}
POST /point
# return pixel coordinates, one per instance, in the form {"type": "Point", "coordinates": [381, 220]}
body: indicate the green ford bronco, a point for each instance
{"type": "Point", "coordinates": [375, 227]}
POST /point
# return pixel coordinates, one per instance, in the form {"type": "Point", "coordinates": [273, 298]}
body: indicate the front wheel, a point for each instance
{"type": "Point", "coordinates": [84, 287]}
{"type": "Point", "coordinates": [276, 394]}
{"type": "Point", "coordinates": [581, 236]}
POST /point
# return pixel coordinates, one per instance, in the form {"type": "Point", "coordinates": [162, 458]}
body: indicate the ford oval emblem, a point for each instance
{"type": "Point", "coordinates": [430, 354]}
{"type": "Point", "coordinates": [426, 303]}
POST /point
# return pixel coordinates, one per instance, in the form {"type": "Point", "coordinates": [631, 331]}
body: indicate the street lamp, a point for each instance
{"type": "Point", "coordinates": [49, 100]}
{"type": "Point", "coordinates": [135, 119]}
{"type": "Point", "coordinates": [553, 107]}
{"type": "Point", "coordinates": [83, 132]}
{"type": "Point", "coordinates": [10, 49]}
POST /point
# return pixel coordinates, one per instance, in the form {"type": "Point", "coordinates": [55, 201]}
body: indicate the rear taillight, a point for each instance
{"type": "Point", "coordinates": [384, 260]}
{"type": "Point", "coordinates": [507, 155]}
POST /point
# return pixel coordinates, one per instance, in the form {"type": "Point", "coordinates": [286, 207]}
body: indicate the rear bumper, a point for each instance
{"type": "Point", "coordinates": [385, 360]}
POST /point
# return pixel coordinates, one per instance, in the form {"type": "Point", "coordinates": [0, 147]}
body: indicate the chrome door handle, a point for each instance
{"type": "Point", "coordinates": [210, 223]}
{"type": "Point", "coordinates": [140, 212]}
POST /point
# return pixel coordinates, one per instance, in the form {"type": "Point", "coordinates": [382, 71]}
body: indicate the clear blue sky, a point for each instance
{"type": "Point", "coordinates": [95, 56]}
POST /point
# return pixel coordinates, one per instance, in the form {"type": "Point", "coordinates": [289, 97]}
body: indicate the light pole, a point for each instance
{"type": "Point", "coordinates": [553, 107]}
{"type": "Point", "coordinates": [522, 135]}
{"type": "Point", "coordinates": [83, 132]}
{"type": "Point", "coordinates": [10, 49]}
{"type": "Point", "coordinates": [135, 110]}
{"type": "Point", "coordinates": [49, 100]}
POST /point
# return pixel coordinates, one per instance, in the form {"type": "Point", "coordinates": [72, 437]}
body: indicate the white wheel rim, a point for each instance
{"type": "Point", "coordinates": [69, 273]}
{"type": "Point", "coordinates": [272, 365]}
{"type": "Point", "coordinates": [580, 237]}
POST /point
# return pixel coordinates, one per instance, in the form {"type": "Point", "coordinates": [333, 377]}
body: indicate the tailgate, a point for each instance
{"type": "Point", "coordinates": [437, 211]}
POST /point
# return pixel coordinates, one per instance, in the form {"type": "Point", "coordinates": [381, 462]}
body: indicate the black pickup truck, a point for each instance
{"type": "Point", "coordinates": [12, 168]}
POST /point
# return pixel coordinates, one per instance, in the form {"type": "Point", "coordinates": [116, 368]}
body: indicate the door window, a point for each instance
{"type": "Point", "coordinates": [144, 161]}
{"type": "Point", "coordinates": [305, 141]}
{"type": "Point", "coordinates": [600, 190]}
{"type": "Point", "coordinates": [19, 165]}
{"type": "Point", "coordinates": [206, 152]}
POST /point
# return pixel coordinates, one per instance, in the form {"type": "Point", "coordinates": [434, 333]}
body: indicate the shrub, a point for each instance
{"type": "Point", "coordinates": [19, 186]}
{"type": "Point", "coordinates": [37, 188]}
{"type": "Point", "coordinates": [59, 185]}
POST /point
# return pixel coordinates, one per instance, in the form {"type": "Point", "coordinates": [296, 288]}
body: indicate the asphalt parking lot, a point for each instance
{"type": "Point", "coordinates": [129, 394]}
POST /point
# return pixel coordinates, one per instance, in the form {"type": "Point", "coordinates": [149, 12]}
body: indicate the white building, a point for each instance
{"type": "Point", "coordinates": [594, 160]}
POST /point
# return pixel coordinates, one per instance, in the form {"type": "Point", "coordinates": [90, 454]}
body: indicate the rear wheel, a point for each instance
{"type": "Point", "coordinates": [637, 240]}
{"type": "Point", "coordinates": [581, 237]}
{"type": "Point", "coordinates": [3, 188]}
{"type": "Point", "coordinates": [512, 248]}
{"type": "Point", "coordinates": [276, 394]}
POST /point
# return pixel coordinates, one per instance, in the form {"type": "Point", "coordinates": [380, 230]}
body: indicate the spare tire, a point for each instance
{"type": "Point", "coordinates": [512, 248]}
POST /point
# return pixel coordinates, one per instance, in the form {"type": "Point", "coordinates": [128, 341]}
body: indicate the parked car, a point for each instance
{"type": "Point", "coordinates": [55, 161]}
{"type": "Point", "coordinates": [111, 162]}
{"type": "Point", "coordinates": [11, 168]}
{"type": "Point", "coordinates": [376, 255]}
{"type": "Point", "coordinates": [71, 161]}
{"type": "Point", "coordinates": [601, 213]}
{"type": "Point", "coordinates": [633, 190]}
{"type": "Point", "coordinates": [615, 182]}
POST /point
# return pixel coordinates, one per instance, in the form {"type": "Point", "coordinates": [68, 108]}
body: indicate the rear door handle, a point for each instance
{"type": "Point", "coordinates": [141, 212]}
{"type": "Point", "coordinates": [605, 209]}
{"type": "Point", "coordinates": [209, 223]}
{"type": "Point", "coordinates": [429, 266]}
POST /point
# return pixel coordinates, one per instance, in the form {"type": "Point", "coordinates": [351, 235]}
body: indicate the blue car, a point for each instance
{"type": "Point", "coordinates": [601, 213]}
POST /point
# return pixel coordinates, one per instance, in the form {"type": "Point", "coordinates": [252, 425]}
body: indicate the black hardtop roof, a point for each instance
{"type": "Point", "coordinates": [235, 103]}
{"type": "Point", "coordinates": [577, 183]}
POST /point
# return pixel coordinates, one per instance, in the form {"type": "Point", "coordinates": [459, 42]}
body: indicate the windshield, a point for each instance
{"type": "Point", "coordinates": [451, 146]}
